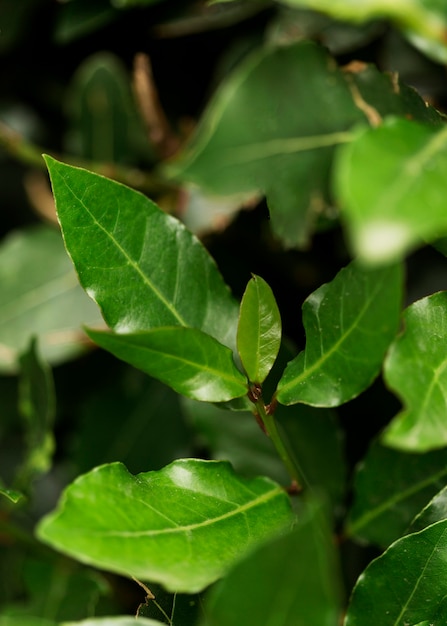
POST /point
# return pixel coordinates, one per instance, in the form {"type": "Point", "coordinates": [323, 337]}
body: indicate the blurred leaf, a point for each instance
{"type": "Point", "coordinates": [406, 584]}
{"type": "Point", "coordinates": [80, 17]}
{"type": "Point", "coordinates": [115, 621]}
{"type": "Point", "coordinates": [390, 488]}
{"type": "Point", "coordinates": [434, 511]}
{"type": "Point", "coordinates": [349, 324]}
{"type": "Point", "coordinates": [37, 404]}
{"type": "Point", "coordinates": [25, 621]}
{"type": "Point", "coordinates": [105, 123]}
{"type": "Point", "coordinates": [383, 178]}
{"type": "Point", "coordinates": [141, 266]}
{"type": "Point", "coordinates": [12, 494]}
{"type": "Point", "coordinates": [262, 131]}
{"type": "Point", "coordinates": [145, 526]}
{"type": "Point", "coordinates": [415, 369]}
{"type": "Point", "coordinates": [235, 437]}
{"type": "Point", "coordinates": [14, 18]}
{"type": "Point", "coordinates": [133, 419]}
{"type": "Point", "coordinates": [259, 330]}
{"type": "Point", "coordinates": [40, 296]}
{"type": "Point", "coordinates": [188, 360]}
{"type": "Point", "coordinates": [271, 586]}
{"type": "Point", "coordinates": [423, 21]}
{"type": "Point", "coordinates": [316, 442]}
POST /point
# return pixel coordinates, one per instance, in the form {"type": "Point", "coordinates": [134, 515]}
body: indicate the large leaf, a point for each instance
{"type": "Point", "coordinates": [416, 370]}
{"type": "Point", "coordinates": [40, 296]}
{"type": "Point", "coordinates": [291, 581]}
{"type": "Point", "coordinates": [189, 361]}
{"type": "Point", "coordinates": [349, 324]}
{"type": "Point", "coordinates": [182, 526]}
{"type": "Point", "coordinates": [259, 330]}
{"type": "Point", "coordinates": [141, 266]}
{"type": "Point", "coordinates": [424, 21]}
{"type": "Point", "coordinates": [383, 178]}
{"type": "Point", "coordinates": [434, 511]}
{"type": "Point", "coordinates": [268, 130]}
{"type": "Point", "coordinates": [406, 585]}
{"type": "Point", "coordinates": [390, 488]}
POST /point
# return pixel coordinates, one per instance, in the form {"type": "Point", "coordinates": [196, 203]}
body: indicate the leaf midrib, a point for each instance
{"type": "Point", "coordinates": [265, 497]}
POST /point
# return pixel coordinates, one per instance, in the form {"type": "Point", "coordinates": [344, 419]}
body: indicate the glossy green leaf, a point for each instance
{"type": "Point", "coordinates": [259, 330]}
{"type": "Point", "coordinates": [182, 526]}
{"type": "Point", "coordinates": [423, 21]}
{"type": "Point", "coordinates": [434, 511]}
{"type": "Point", "coordinates": [406, 584]}
{"type": "Point", "coordinates": [40, 296]}
{"type": "Point", "coordinates": [390, 488]}
{"type": "Point", "coordinates": [13, 495]}
{"type": "Point", "coordinates": [188, 360]}
{"type": "Point", "coordinates": [383, 178]}
{"type": "Point", "coordinates": [141, 266]}
{"type": "Point", "coordinates": [291, 581]}
{"type": "Point", "coordinates": [349, 324]}
{"type": "Point", "coordinates": [37, 403]}
{"type": "Point", "coordinates": [415, 369]}
{"type": "Point", "coordinates": [267, 131]}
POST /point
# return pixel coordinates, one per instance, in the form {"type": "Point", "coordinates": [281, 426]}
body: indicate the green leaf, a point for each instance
{"type": "Point", "coordinates": [12, 494]}
{"type": "Point", "coordinates": [406, 584]}
{"type": "Point", "coordinates": [390, 488]}
{"type": "Point", "coordinates": [182, 526]}
{"type": "Point", "coordinates": [115, 621]}
{"type": "Point", "coordinates": [273, 586]}
{"type": "Point", "coordinates": [40, 297]}
{"type": "Point", "coordinates": [20, 620]}
{"type": "Point", "coordinates": [423, 21]}
{"type": "Point", "coordinates": [415, 369]}
{"type": "Point", "coordinates": [77, 19]}
{"type": "Point", "coordinates": [188, 360]}
{"type": "Point", "coordinates": [383, 178]}
{"type": "Point", "coordinates": [434, 511]}
{"type": "Point", "coordinates": [141, 266]}
{"type": "Point", "coordinates": [349, 324]}
{"type": "Point", "coordinates": [37, 403]}
{"type": "Point", "coordinates": [262, 131]}
{"type": "Point", "coordinates": [259, 330]}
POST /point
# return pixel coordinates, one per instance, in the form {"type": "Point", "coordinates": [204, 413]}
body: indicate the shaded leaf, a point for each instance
{"type": "Point", "coordinates": [383, 178]}
{"type": "Point", "coordinates": [423, 21]}
{"type": "Point", "coordinates": [76, 19]}
{"type": "Point", "coordinates": [271, 586]}
{"type": "Point", "coordinates": [415, 369]}
{"type": "Point", "coordinates": [182, 526]}
{"type": "Point", "coordinates": [40, 296]}
{"type": "Point", "coordinates": [141, 266]}
{"type": "Point", "coordinates": [262, 132]}
{"type": "Point", "coordinates": [405, 585]}
{"type": "Point", "coordinates": [188, 360]}
{"type": "Point", "coordinates": [349, 324]}
{"type": "Point", "coordinates": [390, 488]}
{"type": "Point", "coordinates": [37, 407]}
{"type": "Point", "coordinates": [259, 330]}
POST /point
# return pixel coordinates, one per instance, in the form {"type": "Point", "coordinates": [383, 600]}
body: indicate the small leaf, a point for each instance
{"type": "Point", "coordinates": [37, 407]}
{"type": "Point", "coordinates": [291, 581]}
{"type": "Point", "coordinates": [349, 324]}
{"type": "Point", "coordinates": [189, 361]}
{"type": "Point", "coordinates": [404, 585]}
{"type": "Point", "coordinates": [141, 266]}
{"type": "Point", "coordinates": [40, 297]}
{"type": "Point", "coordinates": [416, 370]}
{"type": "Point", "coordinates": [12, 494]}
{"type": "Point", "coordinates": [182, 526]}
{"type": "Point", "coordinates": [390, 488]}
{"type": "Point", "coordinates": [383, 178]}
{"type": "Point", "coordinates": [259, 330]}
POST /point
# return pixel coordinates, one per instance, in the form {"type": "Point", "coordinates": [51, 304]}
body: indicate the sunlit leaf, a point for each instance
{"type": "Point", "coordinates": [259, 330]}
{"type": "Point", "coordinates": [272, 585]}
{"type": "Point", "coordinates": [182, 526]}
{"type": "Point", "coordinates": [141, 266]}
{"type": "Point", "coordinates": [406, 584]}
{"type": "Point", "coordinates": [40, 296]}
{"type": "Point", "coordinates": [415, 369]}
{"type": "Point", "coordinates": [383, 178]}
{"type": "Point", "coordinates": [349, 324]}
{"type": "Point", "coordinates": [390, 488]}
{"type": "Point", "coordinates": [186, 359]}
